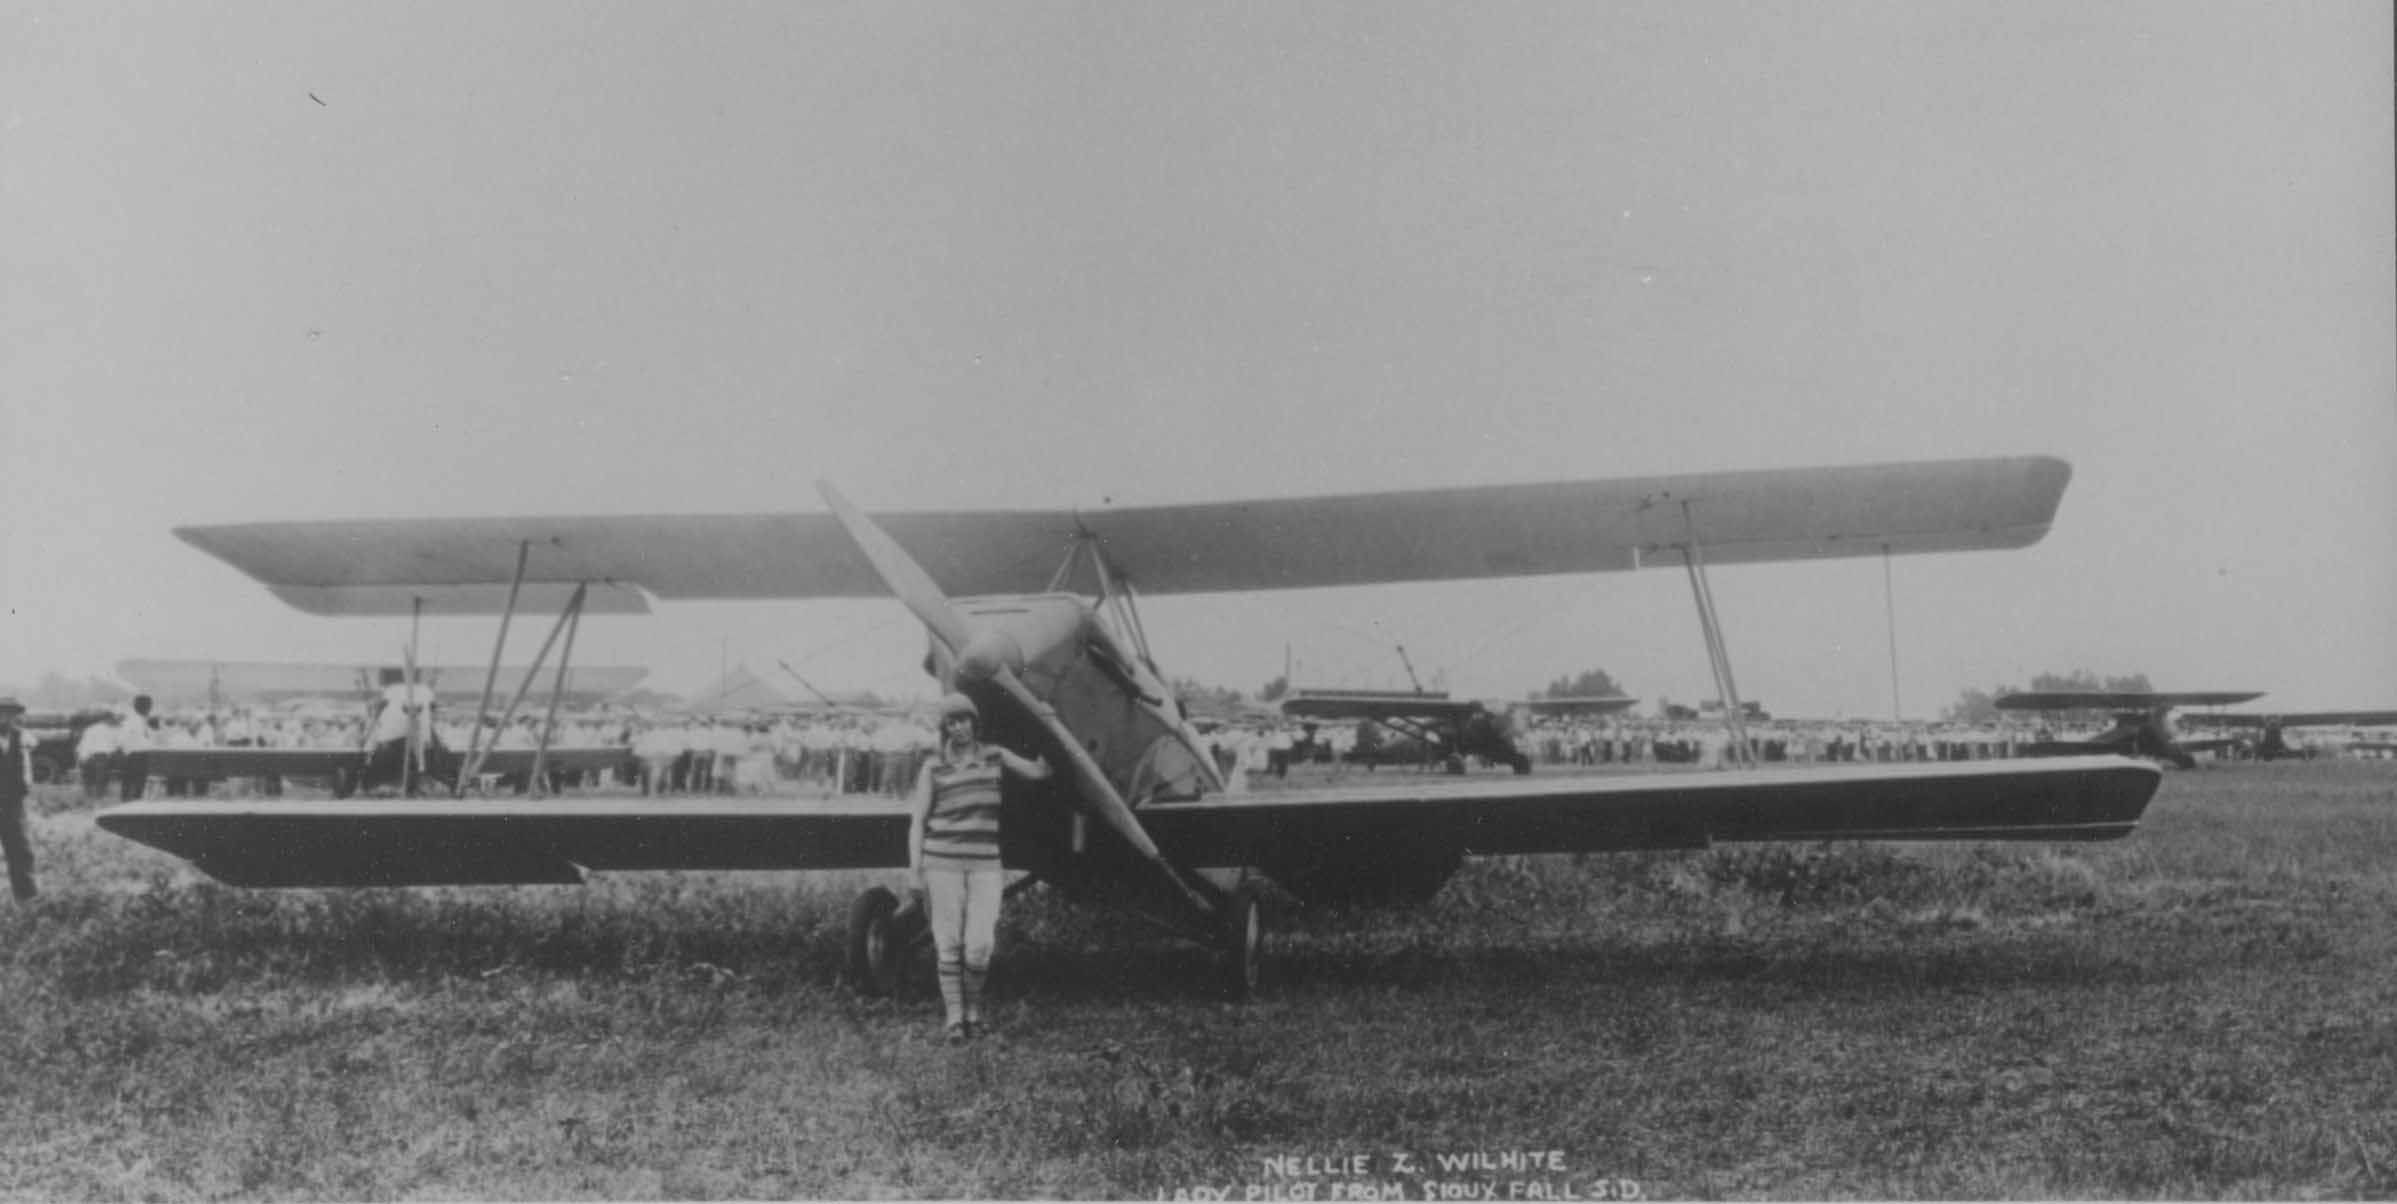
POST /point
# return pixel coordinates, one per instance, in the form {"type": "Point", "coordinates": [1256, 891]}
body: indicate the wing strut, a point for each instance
{"type": "Point", "coordinates": [557, 690]}
{"type": "Point", "coordinates": [1114, 590]}
{"type": "Point", "coordinates": [1718, 655]}
{"type": "Point", "coordinates": [412, 765]}
{"type": "Point", "coordinates": [474, 735]}
{"type": "Point", "coordinates": [574, 609]}
{"type": "Point", "coordinates": [1122, 602]}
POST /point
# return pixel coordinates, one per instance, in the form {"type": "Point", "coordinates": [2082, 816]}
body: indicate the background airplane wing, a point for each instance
{"type": "Point", "coordinates": [2298, 719]}
{"type": "Point", "coordinates": [2076, 798]}
{"type": "Point", "coordinates": [213, 764]}
{"type": "Point", "coordinates": [2102, 700]}
{"type": "Point", "coordinates": [382, 566]}
{"type": "Point", "coordinates": [483, 842]}
{"type": "Point", "coordinates": [1331, 705]}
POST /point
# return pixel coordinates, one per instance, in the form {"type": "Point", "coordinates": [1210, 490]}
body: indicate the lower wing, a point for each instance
{"type": "Point", "coordinates": [2077, 798]}
{"type": "Point", "coordinates": [482, 842]}
{"type": "Point", "coordinates": [406, 842]}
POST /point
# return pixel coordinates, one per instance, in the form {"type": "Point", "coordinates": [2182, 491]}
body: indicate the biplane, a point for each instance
{"type": "Point", "coordinates": [2143, 722]}
{"type": "Point", "coordinates": [2270, 741]}
{"type": "Point", "coordinates": [1034, 615]}
{"type": "Point", "coordinates": [1435, 729]}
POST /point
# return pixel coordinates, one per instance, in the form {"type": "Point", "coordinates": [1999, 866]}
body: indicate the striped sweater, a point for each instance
{"type": "Point", "coordinates": [963, 823]}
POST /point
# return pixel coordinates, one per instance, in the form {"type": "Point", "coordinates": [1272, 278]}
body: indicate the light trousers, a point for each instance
{"type": "Point", "coordinates": [963, 905]}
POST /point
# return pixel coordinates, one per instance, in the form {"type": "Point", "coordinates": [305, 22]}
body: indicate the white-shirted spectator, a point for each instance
{"type": "Point", "coordinates": [93, 749]}
{"type": "Point", "coordinates": [657, 744]}
{"type": "Point", "coordinates": [401, 703]}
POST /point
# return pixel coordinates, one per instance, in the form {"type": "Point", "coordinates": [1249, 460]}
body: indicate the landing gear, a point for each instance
{"type": "Point", "coordinates": [880, 933]}
{"type": "Point", "coordinates": [1241, 943]}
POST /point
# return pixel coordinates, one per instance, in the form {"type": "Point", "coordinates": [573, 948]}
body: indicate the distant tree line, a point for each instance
{"type": "Point", "coordinates": [1980, 706]}
{"type": "Point", "coordinates": [1590, 683]}
{"type": "Point", "coordinates": [1199, 698]}
{"type": "Point", "coordinates": [57, 692]}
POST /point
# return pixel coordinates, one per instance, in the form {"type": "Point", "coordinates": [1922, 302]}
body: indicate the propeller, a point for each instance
{"type": "Point", "coordinates": [990, 656]}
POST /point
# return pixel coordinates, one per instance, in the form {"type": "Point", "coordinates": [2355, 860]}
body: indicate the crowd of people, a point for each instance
{"type": "Point", "coordinates": [1637, 741]}
{"type": "Point", "coordinates": [862, 752]}
{"type": "Point", "coordinates": [1633, 741]}
{"type": "Point", "coordinates": [849, 753]}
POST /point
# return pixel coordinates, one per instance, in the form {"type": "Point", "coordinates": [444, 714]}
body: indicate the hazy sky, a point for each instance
{"type": "Point", "coordinates": [312, 261]}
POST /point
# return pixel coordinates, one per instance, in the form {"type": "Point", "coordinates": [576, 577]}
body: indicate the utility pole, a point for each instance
{"type": "Point", "coordinates": [1889, 597]}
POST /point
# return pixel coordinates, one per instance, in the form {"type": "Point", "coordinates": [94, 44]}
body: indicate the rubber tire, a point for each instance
{"type": "Point", "coordinates": [874, 943]}
{"type": "Point", "coordinates": [1240, 946]}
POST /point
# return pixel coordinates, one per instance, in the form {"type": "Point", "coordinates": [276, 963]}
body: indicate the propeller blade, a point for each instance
{"type": "Point", "coordinates": [1098, 795]}
{"type": "Point", "coordinates": [921, 594]}
{"type": "Point", "coordinates": [914, 587]}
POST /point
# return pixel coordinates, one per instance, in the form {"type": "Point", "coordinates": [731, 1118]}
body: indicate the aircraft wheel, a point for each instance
{"type": "Point", "coordinates": [874, 943]}
{"type": "Point", "coordinates": [1242, 939]}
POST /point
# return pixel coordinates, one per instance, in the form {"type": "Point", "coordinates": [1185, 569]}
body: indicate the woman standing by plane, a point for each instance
{"type": "Point", "coordinates": [953, 845]}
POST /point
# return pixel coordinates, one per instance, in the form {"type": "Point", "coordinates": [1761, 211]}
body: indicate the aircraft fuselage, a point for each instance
{"type": "Point", "coordinates": [2148, 734]}
{"type": "Point", "coordinates": [1125, 716]}
{"type": "Point", "coordinates": [1128, 721]}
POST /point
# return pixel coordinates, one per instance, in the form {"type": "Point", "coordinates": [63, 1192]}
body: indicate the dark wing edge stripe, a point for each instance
{"type": "Point", "coordinates": [438, 846]}
{"type": "Point", "coordinates": [2099, 800]}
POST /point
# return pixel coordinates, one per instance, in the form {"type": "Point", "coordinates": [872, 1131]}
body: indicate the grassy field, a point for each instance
{"type": "Point", "coordinates": [2203, 1010]}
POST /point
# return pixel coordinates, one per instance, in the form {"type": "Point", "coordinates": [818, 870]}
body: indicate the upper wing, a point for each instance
{"type": "Point", "coordinates": [2077, 798]}
{"type": "Point", "coordinates": [2298, 719]}
{"type": "Point", "coordinates": [1367, 704]}
{"type": "Point", "coordinates": [464, 565]}
{"type": "Point", "coordinates": [2103, 700]}
{"type": "Point", "coordinates": [419, 842]}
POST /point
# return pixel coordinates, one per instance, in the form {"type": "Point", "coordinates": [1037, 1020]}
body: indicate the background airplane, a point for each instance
{"type": "Point", "coordinates": [1056, 657]}
{"type": "Point", "coordinates": [1433, 728]}
{"type": "Point", "coordinates": [2270, 741]}
{"type": "Point", "coordinates": [2143, 723]}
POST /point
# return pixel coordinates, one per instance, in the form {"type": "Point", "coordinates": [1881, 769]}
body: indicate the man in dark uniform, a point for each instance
{"type": "Point", "coordinates": [137, 734]}
{"type": "Point", "coordinates": [16, 782]}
